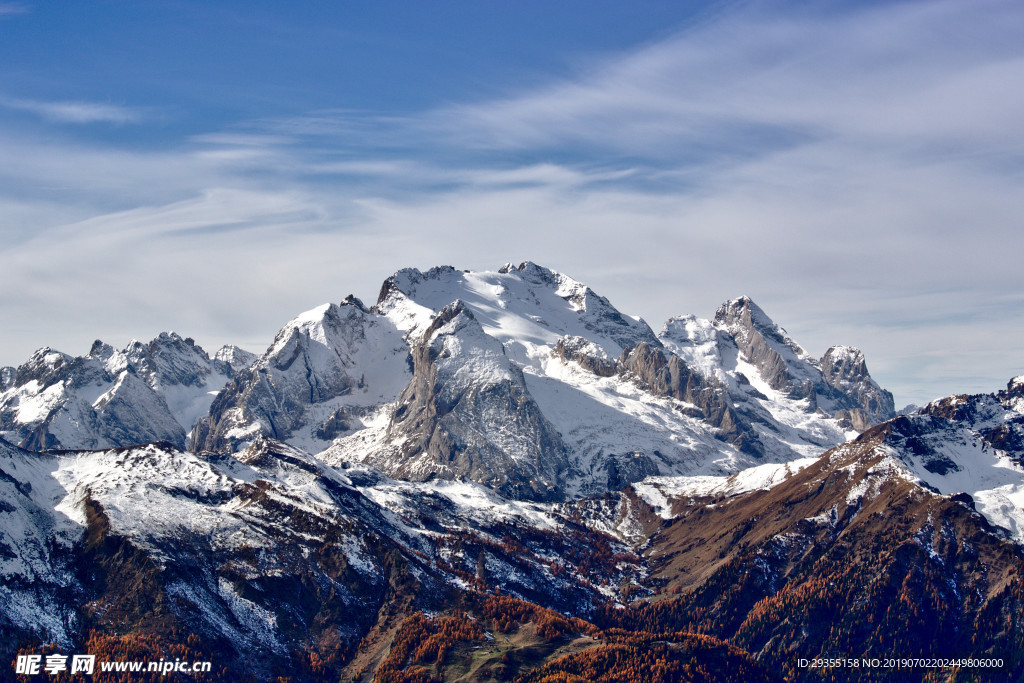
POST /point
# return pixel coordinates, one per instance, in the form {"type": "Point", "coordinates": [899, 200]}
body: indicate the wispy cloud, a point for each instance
{"type": "Point", "coordinates": [75, 112]}
{"type": "Point", "coordinates": [757, 82]}
{"type": "Point", "coordinates": [10, 8]}
{"type": "Point", "coordinates": [857, 172]}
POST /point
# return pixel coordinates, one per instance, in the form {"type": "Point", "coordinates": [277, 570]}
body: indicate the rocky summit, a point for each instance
{"type": "Point", "coordinates": [495, 476]}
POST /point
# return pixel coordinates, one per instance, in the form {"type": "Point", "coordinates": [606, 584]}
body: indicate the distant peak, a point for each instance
{"type": "Point", "coordinates": [844, 362]}
{"type": "Point", "coordinates": [352, 300]}
{"type": "Point", "coordinates": [535, 273]}
{"type": "Point", "coordinates": [743, 311]}
{"type": "Point", "coordinates": [174, 340]}
{"type": "Point", "coordinates": [406, 279]}
{"type": "Point", "coordinates": [49, 355]}
{"type": "Point", "coordinates": [238, 358]}
{"type": "Point", "coordinates": [1015, 388]}
{"type": "Point", "coordinates": [735, 306]}
{"type": "Point", "coordinates": [850, 354]}
{"type": "Point", "coordinates": [447, 314]}
{"type": "Point", "coordinates": [100, 350]}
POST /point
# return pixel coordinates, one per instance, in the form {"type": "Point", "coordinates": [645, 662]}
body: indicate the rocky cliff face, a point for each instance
{"type": "Point", "coordinates": [7, 375]}
{"type": "Point", "coordinates": [468, 413]}
{"type": "Point", "coordinates": [765, 370]}
{"type": "Point", "coordinates": [671, 377]}
{"type": "Point", "coordinates": [765, 345]}
{"type": "Point", "coordinates": [846, 371]}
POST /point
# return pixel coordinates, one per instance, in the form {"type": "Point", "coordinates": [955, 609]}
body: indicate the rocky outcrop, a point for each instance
{"type": "Point", "coordinates": [467, 413]}
{"type": "Point", "coordinates": [587, 355]}
{"type": "Point", "coordinates": [7, 377]}
{"type": "Point", "coordinates": [846, 371]}
{"type": "Point", "coordinates": [838, 385]}
{"type": "Point", "coordinates": [671, 377]}
{"type": "Point", "coordinates": [761, 341]}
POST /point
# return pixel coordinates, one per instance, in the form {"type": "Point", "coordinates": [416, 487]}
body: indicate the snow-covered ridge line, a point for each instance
{"type": "Point", "coordinates": [561, 389]}
{"type": "Point", "coordinates": [145, 392]}
{"type": "Point", "coordinates": [661, 492]}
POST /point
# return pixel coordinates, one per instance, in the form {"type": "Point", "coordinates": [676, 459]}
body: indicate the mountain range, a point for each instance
{"type": "Point", "coordinates": [499, 476]}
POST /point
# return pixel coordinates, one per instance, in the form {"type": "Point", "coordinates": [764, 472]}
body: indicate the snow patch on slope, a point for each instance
{"type": "Point", "coordinates": [660, 492]}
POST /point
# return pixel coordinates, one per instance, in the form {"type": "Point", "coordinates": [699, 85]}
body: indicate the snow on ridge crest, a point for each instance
{"type": "Point", "coordinates": [146, 391]}
{"type": "Point", "coordinates": [660, 491]}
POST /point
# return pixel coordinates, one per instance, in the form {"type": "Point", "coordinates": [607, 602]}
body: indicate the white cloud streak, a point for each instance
{"type": "Point", "coordinates": [13, 8]}
{"type": "Point", "coordinates": [857, 174]}
{"type": "Point", "coordinates": [75, 112]}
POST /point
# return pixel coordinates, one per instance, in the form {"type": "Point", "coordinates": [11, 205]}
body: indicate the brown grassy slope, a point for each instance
{"type": "Point", "coordinates": [846, 558]}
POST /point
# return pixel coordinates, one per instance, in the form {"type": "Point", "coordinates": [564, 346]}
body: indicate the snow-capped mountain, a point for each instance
{"type": "Point", "coordinates": [261, 552]}
{"type": "Point", "coordinates": [108, 398]}
{"type": "Point", "coordinates": [770, 375]}
{"type": "Point", "coordinates": [527, 380]}
{"type": "Point", "coordinates": [966, 447]}
{"type": "Point", "coordinates": [908, 536]}
{"type": "Point", "coordinates": [327, 373]}
{"type": "Point", "coordinates": [477, 478]}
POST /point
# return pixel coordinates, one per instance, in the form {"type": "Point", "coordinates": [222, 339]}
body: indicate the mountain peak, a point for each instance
{"type": "Point", "coordinates": [449, 314]}
{"type": "Point", "coordinates": [845, 362]}
{"type": "Point", "coordinates": [406, 280]}
{"type": "Point", "coordinates": [237, 358]}
{"type": "Point", "coordinates": [43, 366]}
{"type": "Point", "coordinates": [744, 313]}
{"type": "Point", "coordinates": [352, 300]}
{"type": "Point", "coordinates": [100, 350]}
{"type": "Point", "coordinates": [537, 273]}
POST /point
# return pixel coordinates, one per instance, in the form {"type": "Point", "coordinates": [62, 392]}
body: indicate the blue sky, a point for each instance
{"type": "Point", "coordinates": [216, 168]}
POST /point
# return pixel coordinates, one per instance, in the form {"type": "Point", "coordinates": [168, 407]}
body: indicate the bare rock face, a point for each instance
{"type": "Point", "coordinates": [7, 377]}
{"type": "Point", "coordinates": [673, 378]}
{"type": "Point", "coordinates": [838, 385]}
{"type": "Point", "coordinates": [588, 355]}
{"type": "Point", "coordinates": [752, 330]}
{"type": "Point", "coordinates": [467, 413]}
{"type": "Point", "coordinates": [846, 371]}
